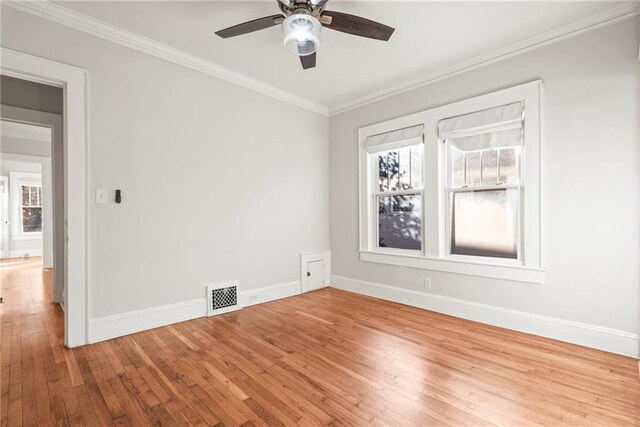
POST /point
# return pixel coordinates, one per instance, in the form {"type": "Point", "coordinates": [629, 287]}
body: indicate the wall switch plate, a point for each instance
{"type": "Point", "coordinates": [427, 283]}
{"type": "Point", "coordinates": [101, 196]}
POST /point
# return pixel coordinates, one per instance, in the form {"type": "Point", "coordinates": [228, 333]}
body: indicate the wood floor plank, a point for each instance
{"type": "Point", "coordinates": [323, 358]}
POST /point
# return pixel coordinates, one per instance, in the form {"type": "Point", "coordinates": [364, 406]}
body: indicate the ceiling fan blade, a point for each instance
{"type": "Point", "coordinates": [308, 61]}
{"type": "Point", "coordinates": [358, 26]}
{"type": "Point", "coordinates": [250, 26]}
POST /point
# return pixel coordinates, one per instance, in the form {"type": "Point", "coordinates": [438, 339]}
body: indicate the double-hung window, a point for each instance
{"type": "Point", "coordinates": [31, 208]}
{"type": "Point", "coordinates": [456, 188]}
{"type": "Point", "coordinates": [397, 162]}
{"type": "Point", "coordinates": [483, 188]}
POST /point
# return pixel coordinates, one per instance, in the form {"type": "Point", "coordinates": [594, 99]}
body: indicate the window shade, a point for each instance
{"type": "Point", "coordinates": [497, 127]}
{"type": "Point", "coordinates": [394, 139]}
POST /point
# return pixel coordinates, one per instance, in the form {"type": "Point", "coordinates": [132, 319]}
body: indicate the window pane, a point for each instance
{"type": "Point", "coordinates": [34, 196]}
{"type": "Point", "coordinates": [489, 167]}
{"type": "Point", "coordinates": [388, 169]}
{"type": "Point", "coordinates": [473, 168]}
{"type": "Point", "coordinates": [404, 163]}
{"type": "Point", "coordinates": [31, 220]}
{"type": "Point", "coordinates": [457, 168]}
{"type": "Point", "coordinates": [393, 170]}
{"type": "Point", "coordinates": [410, 167]}
{"type": "Point", "coordinates": [400, 169]}
{"type": "Point", "coordinates": [508, 166]}
{"type": "Point", "coordinates": [416, 166]}
{"type": "Point", "coordinates": [383, 183]}
{"type": "Point", "coordinates": [39, 196]}
{"type": "Point", "coordinates": [484, 223]}
{"type": "Point", "coordinates": [400, 222]}
{"type": "Point", "coordinates": [25, 195]}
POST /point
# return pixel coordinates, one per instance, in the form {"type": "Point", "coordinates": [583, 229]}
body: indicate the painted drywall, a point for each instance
{"type": "Point", "coordinates": [10, 145]}
{"type": "Point", "coordinates": [218, 182]}
{"type": "Point", "coordinates": [34, 96]}
{"type": "Point", "coordinates": [590, 181]}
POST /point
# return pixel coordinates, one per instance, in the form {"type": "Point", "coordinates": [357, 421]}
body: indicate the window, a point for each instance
{"type": "Point", "coordinates": [31, 208]}
{"type": "Point", "coordinates": [483, 181]}
{"type": "Point", "coordinates": [443, 189]}
{"type": "Point", "coordinates": [399, 198]}
{"type": "Point", "coordinates": [397, 158]}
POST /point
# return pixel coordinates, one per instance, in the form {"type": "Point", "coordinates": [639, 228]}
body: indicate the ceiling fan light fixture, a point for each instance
{"type": "Point", "coordinates": [301, 34]}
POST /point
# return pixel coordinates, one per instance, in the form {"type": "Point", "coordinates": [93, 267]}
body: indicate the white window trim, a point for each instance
{"type": "Point", "coordinates": [35, 234]}
{"type": "Point", "coordinates": [434, 227]}
{"type": "Point", "coordinates": [375, 194]}
{"type": "Point", "coordinates": [16, 181]}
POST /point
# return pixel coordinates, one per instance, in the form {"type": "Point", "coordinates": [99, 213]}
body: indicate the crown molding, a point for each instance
{"type": "Point", "coordinates": [98, 28]}
{"type": "Point", "coordinates": [575, 28]}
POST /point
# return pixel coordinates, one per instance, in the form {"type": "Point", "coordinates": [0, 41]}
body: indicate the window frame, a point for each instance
{"type": "Point", "coordinates": [435, 254]}
{"type": "Point", "coordinates": [449, 191]}
{"type": "Point", "coordinates": [21, 207]}
{"type": "Point", "coordinates": [16, 181]}
{"type": "Point", "coordinates": [375, 193]}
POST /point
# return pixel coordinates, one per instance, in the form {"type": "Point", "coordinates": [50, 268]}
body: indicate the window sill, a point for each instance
{"type": "Point", "coordinates": [469, 268]}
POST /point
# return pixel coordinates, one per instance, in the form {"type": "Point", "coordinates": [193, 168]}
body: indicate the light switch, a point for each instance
{"type": "Point", "coordinates": [101, 196]}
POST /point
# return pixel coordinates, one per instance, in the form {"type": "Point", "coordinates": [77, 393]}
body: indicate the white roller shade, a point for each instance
{"type": "Point", "coordinates": [497, 127]}
{"type": "Point", "coordinates": [394, 139]}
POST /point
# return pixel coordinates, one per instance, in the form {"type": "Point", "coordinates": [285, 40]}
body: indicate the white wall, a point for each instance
{"type": "Point", "coordinates": [218, 182]}
{"type": "Point", "coordinates": [590, 187]}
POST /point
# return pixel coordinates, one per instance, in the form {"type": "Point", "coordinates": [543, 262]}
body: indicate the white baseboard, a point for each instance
{"type": "Point", "coordinates": [104, 328]}
{"type": "Point", "coordinates": [598, 337]}
{"type": "Point", "coordinates": [269, 293]}
{"type": "Point", "coordinates": [22, 252]}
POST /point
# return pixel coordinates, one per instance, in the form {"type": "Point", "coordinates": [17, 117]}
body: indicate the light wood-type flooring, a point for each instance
{"type": "Point", "coordinates": [324, 358]}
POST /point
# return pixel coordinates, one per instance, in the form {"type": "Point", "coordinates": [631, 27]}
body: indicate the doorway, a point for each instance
{"type": "Point", "coordinates": [27, 193]}
{"type": "Point", "coordinates": [69, 175]}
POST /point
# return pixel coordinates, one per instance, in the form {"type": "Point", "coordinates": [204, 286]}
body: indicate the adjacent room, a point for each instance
{"type": "Point", "coordinates": [319, 212]}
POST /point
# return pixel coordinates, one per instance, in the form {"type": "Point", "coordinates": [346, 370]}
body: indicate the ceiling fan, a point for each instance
{"type": "Point", "coordinates": [302, 22]}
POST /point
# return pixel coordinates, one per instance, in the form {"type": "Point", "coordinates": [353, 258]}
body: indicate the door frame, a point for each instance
{"type": "Point", "coordinates": [56, 236]}
{"type": "Point", "coordinates": [73, 81]}
{"type": "Point", "coordinates": [5, 226]}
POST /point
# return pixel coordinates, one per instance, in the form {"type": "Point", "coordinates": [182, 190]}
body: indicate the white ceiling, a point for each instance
{"type": "Point", "coordinates": [429, 37]}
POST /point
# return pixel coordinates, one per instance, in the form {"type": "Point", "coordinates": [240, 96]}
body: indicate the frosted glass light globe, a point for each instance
{"type": "Point", "coordinates": [301, 34]}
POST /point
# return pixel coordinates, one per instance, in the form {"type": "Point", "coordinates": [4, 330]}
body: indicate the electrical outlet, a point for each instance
{"type": "Point", "coordinates": [253, 298]}
{"type": "Point", "coordinates": [427, 283]}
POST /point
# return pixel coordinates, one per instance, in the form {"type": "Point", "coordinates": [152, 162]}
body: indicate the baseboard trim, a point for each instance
{"type": "Point", "coordinates": [108, 327]}
{"type": "Point", "coordinates": [104, 328]}
{"type": "Point", "coordinates": [269, 293]}
{"type": "Point", "coordinates": [20, 253]}
{"type": "Point", "coordinates": [593, 336]}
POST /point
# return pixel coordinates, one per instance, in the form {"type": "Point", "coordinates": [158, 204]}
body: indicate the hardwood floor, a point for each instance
{"type": "Point", "coordinates": [324, 358]}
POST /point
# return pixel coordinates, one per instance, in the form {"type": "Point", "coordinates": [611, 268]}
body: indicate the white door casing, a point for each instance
{"type": "Point", "coordinates": [73, 81]}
